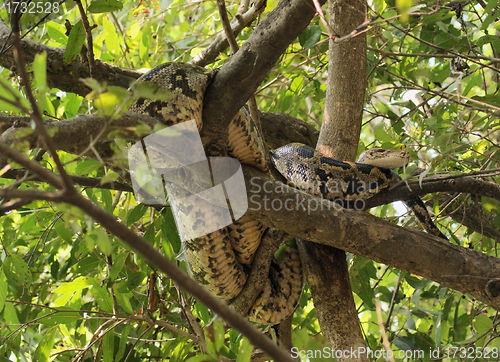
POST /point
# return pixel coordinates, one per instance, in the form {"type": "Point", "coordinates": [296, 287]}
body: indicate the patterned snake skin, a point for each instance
{"type": "Point", "coordinates": [221, 259]}
{"type": "Point", "coordinates": [336, 180]}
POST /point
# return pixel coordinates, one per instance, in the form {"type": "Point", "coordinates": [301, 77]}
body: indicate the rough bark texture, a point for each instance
{"type": "Point", "coordinates": [308, 217]}
{"type": "Point", "coordinates": [346, 82]}
{"type": "Point", "coordinates": [326, 267]}
{"type": "Point", "coordinates": [61, 75]}
{"type": "Point", "coordinates": [74, 135]}
{"type": "Point", "coordinates": [465, 270]}
{"type": "Point", "coordinates": [328, 278]}
{"type": "Point", "coordinates": [239, 78]}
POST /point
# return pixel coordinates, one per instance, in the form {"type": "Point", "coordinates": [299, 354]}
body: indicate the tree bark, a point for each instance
{"type": "Point", "coordinates": [326, 267]}
{"type": "Point", "coordinates": [309, 217]}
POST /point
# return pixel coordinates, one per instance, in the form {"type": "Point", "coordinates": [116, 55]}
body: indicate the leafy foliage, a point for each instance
{"type": "Point", "coordinates": [68, 288]}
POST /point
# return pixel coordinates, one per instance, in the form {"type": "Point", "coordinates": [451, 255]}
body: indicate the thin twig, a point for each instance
{"type": "Point", "coordinates": [91, 182]}
{"type": "Point", "coordinates": [387, 344]}
{"type": "Point", "coordinates": [90, 43]}
{"type": "Point", "coordinates": [36, 115]}
{"type": "Point", "coordinates": [426, 55]}
{"type": "Point", "coordinates": [221, 5]}
{"type": "Point", "coordinates": [393, 301]}
{"type": "Point", "coordinates": [153, 256]}
{"type": "Point", "coordinates": [319, 11]}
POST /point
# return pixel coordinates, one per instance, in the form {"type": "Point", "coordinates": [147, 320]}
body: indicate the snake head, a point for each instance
{"type": "Point", "coordinates": [380, 157]}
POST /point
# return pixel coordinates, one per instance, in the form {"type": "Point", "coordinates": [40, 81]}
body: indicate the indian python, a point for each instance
{"type": "Point", "coordinates": [346, 182]}
{"type": "Point", "coordinates": [221, 259]}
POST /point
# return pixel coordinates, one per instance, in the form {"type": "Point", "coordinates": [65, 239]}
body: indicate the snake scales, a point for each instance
{"type": "Point", "coordinates": [221, 259]}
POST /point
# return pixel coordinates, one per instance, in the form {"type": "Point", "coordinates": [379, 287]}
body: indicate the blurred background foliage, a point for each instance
{"type": "Point", "coordinates": [432, 87]}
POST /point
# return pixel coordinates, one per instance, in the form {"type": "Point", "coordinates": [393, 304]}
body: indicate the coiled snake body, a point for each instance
{"type": "Point", "coordinates": [220, 260]}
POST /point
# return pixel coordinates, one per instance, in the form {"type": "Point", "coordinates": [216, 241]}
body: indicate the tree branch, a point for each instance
{"type": "Point", "coordinates": [239, 78]}
{"type": "Point", "coordinates": [139, 244]}
{"type": "Point", "coordinates": [61, 75]}
{"type": "Point", "coordinates": [458, 183]}
{"type": "Point", "coordinates": [74, 135]}
{"type": "Point", "coordinates": [240, 21]}
{"type": "Point", "coordinates": [91, 182]}
{"type": "Point", "coordinates": [306, 216]}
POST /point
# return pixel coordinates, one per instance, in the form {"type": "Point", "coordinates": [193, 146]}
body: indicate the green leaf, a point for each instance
{"type": "Point", "coordinates": [103, 298]}
{"type": "Point", "coordinates": [59, 317]}
{"type": "Point", "coordinates": [144, 46]}
{"type": "Point", "coordinates": [169, 229]}
{"type": "Point", "coordinates": [482, 323]}
{"type": "Point", "coordinates": [111, 38]}
{"type": "Point", "coordinates": [124, 302]}
{"type": "Point", "coordinates": [362, 287]}
{"type": "Point", "coordinates": [415, 282]}
{"type": "Point", "coordinates": [132, 281]}
{"type": "Point", "coordinates": [475, 81]}
{"type": "Point", "coordinates": [489, 39]}
{"type": "Point", "coordinates": [93, 84]}
{"type": "Point", "coordinates": [201, 358]}
{"type": "Point", "coordinates": [118, 264]}
{"type": "Point", "coordinates": [103, 242]}
{"type": "Point", "coordinates": [40, 77]}
{"type": "Point", "coordinates": [491, 99]}
{"type": "Point", "coordinates": [45, 345]}
{"type": "Point", "coordinates": [487, 22]}
{"type": "Point", "coordinates": [310, 36]}
{"type": "Point", "coordinates": [381, 133]}
{"type": "Point", "coordinates": [491, 4]}
{"type": "Point", "coordinates": [75, 42]}
{"type": "Point", "coordinates": [57, 32]}
{"type": "Point", "coordinates": [123, 342]}
{"type": "Point", "coordinates": [136, 213]}
{"type": "Point", "coordinates": [107, 200]}
{"type": "Point", "coordinates": [78, 284]}
{"type": "Point", "coordinates": [71, 104]}
{"type": "Point", "coordinates": [3, 289]}
{"type": "Point", "coordinates": [403, 7]}
{"type": "Point", "coordinates": [11, 95]}
{"type": "Point", "coordinates": [214, 338]}
{"type": "Point", "coordinates": [108, 101]}
{"type": "Point", "coordinates": [108, 347]}
{"type": "Point", "coordinates": [245, 351]}
{"type": "Point", "coordinates": [104, 6]}
{"type": "Point", "coordinates": [10, 314]}
{"type": "Point", "coordinates": [16, 270]}
{"type": "Point", "coordinates": [40, 70]}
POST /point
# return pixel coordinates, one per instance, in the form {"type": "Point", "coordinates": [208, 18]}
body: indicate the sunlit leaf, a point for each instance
{"type": "Point", "coordinates": [44, 347]}
{"type": "Point", "coordinates": [75, 42]}
{"type": "Point", "coordinates": [16, 270]}
{"type": "Point", "coordinates": [104, 6]}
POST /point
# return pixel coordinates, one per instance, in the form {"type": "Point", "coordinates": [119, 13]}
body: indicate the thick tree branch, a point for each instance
{"type": "Point", "coordinates": [327, 270]}
{"type": "Point", "coordinates": [456, 183]}
{"type": "Point", "coordinates": [74, 135]}
{"type": "Point", "coordinates": [110, 223]}
{"type": "Point", "coordinates": [239, 78]}
{"type": "Point", "coordinates": [308, 217]}
{"type": "Point", "coordinates": [61, 75]}
{"type": "Point", "coordinates": [240, 21]}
